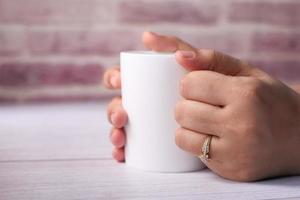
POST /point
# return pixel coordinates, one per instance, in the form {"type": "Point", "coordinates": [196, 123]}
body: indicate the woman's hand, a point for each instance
{"type": "Point", "coordinates": [254, 119]}
{"type": "Point", "coordinates": [116, 114]}
{"type": "Point", "coordinates": [112, 80]}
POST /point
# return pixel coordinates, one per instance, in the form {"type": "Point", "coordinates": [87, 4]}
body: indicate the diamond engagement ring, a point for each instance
{"type": "Point", "coordinates": [205, 149]}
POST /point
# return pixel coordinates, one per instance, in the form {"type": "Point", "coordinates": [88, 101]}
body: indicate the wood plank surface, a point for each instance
{"type": "Point", "coordinates": [105, 179]}
{"type": "Point", "coordinates": [62, 131]}
{"type": "Point", "coordinates": [63, 152]}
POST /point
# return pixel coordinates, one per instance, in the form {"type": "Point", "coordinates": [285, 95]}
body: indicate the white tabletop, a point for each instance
{"type": "Point", "coordinates": [63, 152]}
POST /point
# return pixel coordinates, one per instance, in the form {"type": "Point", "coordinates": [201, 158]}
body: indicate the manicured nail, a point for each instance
{"type": "Point", "coordinates": [114, 118]}
{"type": "Point", "coordinates": [114, 81]}
{"type": "Point", "coordinates": [187, 54]}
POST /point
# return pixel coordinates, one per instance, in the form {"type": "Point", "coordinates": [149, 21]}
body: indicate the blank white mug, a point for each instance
{"type": "Point", "coordinates": [150, 92]}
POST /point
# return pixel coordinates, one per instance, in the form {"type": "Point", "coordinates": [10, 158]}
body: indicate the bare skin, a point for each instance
{"type": "Point", "coordinates": [254, 119]}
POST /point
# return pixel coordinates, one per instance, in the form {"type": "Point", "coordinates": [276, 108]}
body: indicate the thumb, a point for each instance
{"type": "Point", "coordinates": [208, 59]}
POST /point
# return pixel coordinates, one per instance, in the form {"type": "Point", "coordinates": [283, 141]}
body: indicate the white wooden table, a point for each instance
{"type": "Point", "coordinates": [63, 152]}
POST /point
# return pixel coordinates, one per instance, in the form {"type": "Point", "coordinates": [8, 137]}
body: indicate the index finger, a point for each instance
{"type": "Point", "coordinates": [163, 43]}
{"type": "Point", "coordinates": [209, 87]}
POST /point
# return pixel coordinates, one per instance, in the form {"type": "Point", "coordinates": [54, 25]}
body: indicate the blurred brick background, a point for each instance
{"type": "Point", "coordinates": [58, 49]}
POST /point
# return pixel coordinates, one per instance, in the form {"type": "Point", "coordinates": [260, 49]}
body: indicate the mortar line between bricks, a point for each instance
{"type": "Point", "coordinates": [115, 57]}
{"type": "Point", "coordinates": [227, 25]}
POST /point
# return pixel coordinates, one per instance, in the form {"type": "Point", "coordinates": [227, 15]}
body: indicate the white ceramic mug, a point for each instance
{"type": "Point", "coordinates": [150, 91]}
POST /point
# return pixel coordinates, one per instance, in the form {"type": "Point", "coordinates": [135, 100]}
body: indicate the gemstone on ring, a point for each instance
{"type": "Point", "coordinates": [205, 149]}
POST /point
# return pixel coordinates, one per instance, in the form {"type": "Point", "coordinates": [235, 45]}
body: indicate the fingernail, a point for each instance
{"type": "Point", "coordinates": [114, 81]}
{"type": "Point", "coordinates": [187, 54]}
{"type": "Point", "coordinates": [114, 118]}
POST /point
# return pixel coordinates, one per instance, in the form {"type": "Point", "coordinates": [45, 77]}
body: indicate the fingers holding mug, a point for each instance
{"type": "Point", "coordinates": [112, 78]}
{"type": "Point", "coordinates": [193, 142]}
{"type": "Point", "coordinates": [116, 114]}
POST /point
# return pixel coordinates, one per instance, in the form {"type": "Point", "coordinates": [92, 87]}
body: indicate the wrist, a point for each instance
{"type": "Point", "coordinates": [298, 139]}
{"type": "Point", "coordinates": [291, 150]}
{"type": "Point", "coordinates": [296, 151]}
{"type": "Point", "coordinates": [296, 87]}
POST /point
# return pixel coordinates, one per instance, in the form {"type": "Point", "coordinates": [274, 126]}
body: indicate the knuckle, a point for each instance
{"type": "Point", "coordinates": [180, 110]}
{"type": "Point", "coordinates": [184, 86]}
{"type": "Point", "coordinates": [254, 84]}
{"type": "Point", "coordinates": [188, 81]}
{"type": "Point", "coordinates": [108, 74]}
{"type": "Point", "coordinates": [111, 133]}
{"type": "Point", "coordinates": [105, 78]}
{"type": "Point", "coordinates": [253, 88]}
{"type": "Point", "coordinates": [179, 138]}
{"type": "Point", "coordinates": [117, 99]}
{"type": "Point", "coordinates": [113, 104]}
{"type": "Point", "coordinates": [192, 75]}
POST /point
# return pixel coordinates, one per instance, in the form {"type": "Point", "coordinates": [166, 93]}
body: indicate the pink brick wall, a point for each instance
{"type": "Point", "coordinates": [58, 49]}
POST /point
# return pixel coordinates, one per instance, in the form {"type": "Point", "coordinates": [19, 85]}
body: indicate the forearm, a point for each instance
{"type": "Point", "coordinates": [297, 133]}
{"type": "Point", "coordinates": [297, 158]}
{"type": "Point", "coordinates": [294, 161]}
